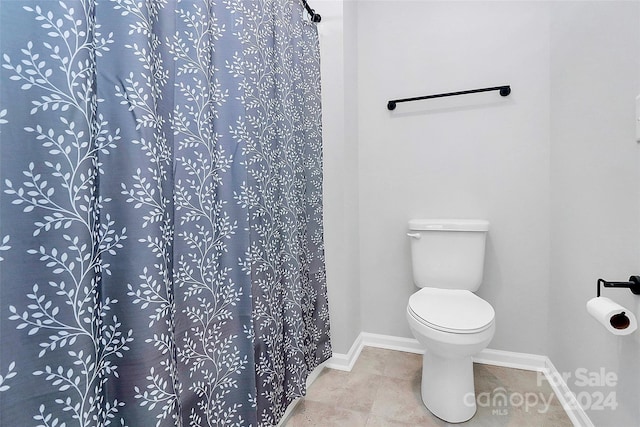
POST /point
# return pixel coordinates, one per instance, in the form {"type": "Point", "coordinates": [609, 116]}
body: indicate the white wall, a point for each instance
{"type": "Point", "coordinates": [476, 156]}
{"type": "Point", "coordinates": [337, 33]}
{"type": "Point", "coordinates": [595, 216]}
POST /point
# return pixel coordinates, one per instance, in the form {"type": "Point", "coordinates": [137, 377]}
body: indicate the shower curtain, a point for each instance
{"type": "Point", "coordinates": [161, 241]}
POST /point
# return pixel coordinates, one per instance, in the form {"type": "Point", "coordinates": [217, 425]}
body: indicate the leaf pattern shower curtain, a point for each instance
{"type": "Point", "coordinates": [161, 241]}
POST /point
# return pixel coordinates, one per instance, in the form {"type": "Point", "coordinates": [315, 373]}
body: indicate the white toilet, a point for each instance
{"type": "Point", "coordinates": [445, 316]}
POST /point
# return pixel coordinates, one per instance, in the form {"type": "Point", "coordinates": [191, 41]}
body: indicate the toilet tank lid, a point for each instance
{"type": "Point", "coordinates": [449, 224]}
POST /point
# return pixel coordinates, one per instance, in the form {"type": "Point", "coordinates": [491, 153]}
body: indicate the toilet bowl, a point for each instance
{"type": "Point", "coordinates": [450, 336]}
{"type": "Point", "coordinates": [445, 316]}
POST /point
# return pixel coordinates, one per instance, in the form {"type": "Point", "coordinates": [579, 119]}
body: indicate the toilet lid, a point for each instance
{"type": "Point", "coordinates": [451, 310]}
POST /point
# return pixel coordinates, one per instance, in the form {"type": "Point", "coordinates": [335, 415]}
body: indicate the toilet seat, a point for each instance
{"type": "Point", "coordinates": [451, 310]}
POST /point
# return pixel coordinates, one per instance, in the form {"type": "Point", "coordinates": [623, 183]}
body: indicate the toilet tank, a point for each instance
{"type": "Point", "coordinates": [448, 253]}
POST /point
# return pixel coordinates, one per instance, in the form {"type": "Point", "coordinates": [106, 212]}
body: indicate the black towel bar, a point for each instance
{"type": "Point", "coordinates": [504, 91]}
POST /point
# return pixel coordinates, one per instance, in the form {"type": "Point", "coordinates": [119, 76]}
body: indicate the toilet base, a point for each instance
{"type": "Point", "coordinates": [448, 387]}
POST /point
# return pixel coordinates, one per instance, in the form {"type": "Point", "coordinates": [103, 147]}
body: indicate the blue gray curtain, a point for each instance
{"type": "Point", "coordinates": [161, 241]}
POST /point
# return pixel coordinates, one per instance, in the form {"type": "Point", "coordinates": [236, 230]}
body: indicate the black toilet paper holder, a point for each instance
{"type": "Point", "coordinates": [633, 284]}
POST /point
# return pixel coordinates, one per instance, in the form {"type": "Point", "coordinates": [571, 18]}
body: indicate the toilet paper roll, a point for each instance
{"type": "Point", "coordinates": [614, 317]}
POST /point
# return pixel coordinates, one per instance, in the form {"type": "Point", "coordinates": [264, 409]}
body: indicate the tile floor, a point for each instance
{"type": "Point", "coordinates": [383, 389]}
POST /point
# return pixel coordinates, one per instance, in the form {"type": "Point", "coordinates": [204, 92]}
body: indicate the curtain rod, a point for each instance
{"type": "Point", "coordinates": [315, 17]}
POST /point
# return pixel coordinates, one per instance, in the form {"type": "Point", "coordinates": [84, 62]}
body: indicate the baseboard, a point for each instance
{"type": "Point", "coordinates": [569, 402]}
{"type": "Point", "coordinates": [345, 362]}
{"type": "Point", "coordinates": [508, 359]}
{"type": "Point", "coordinates": [408, 345]}
{"type": "Point", "coordinates": [512, 359]}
